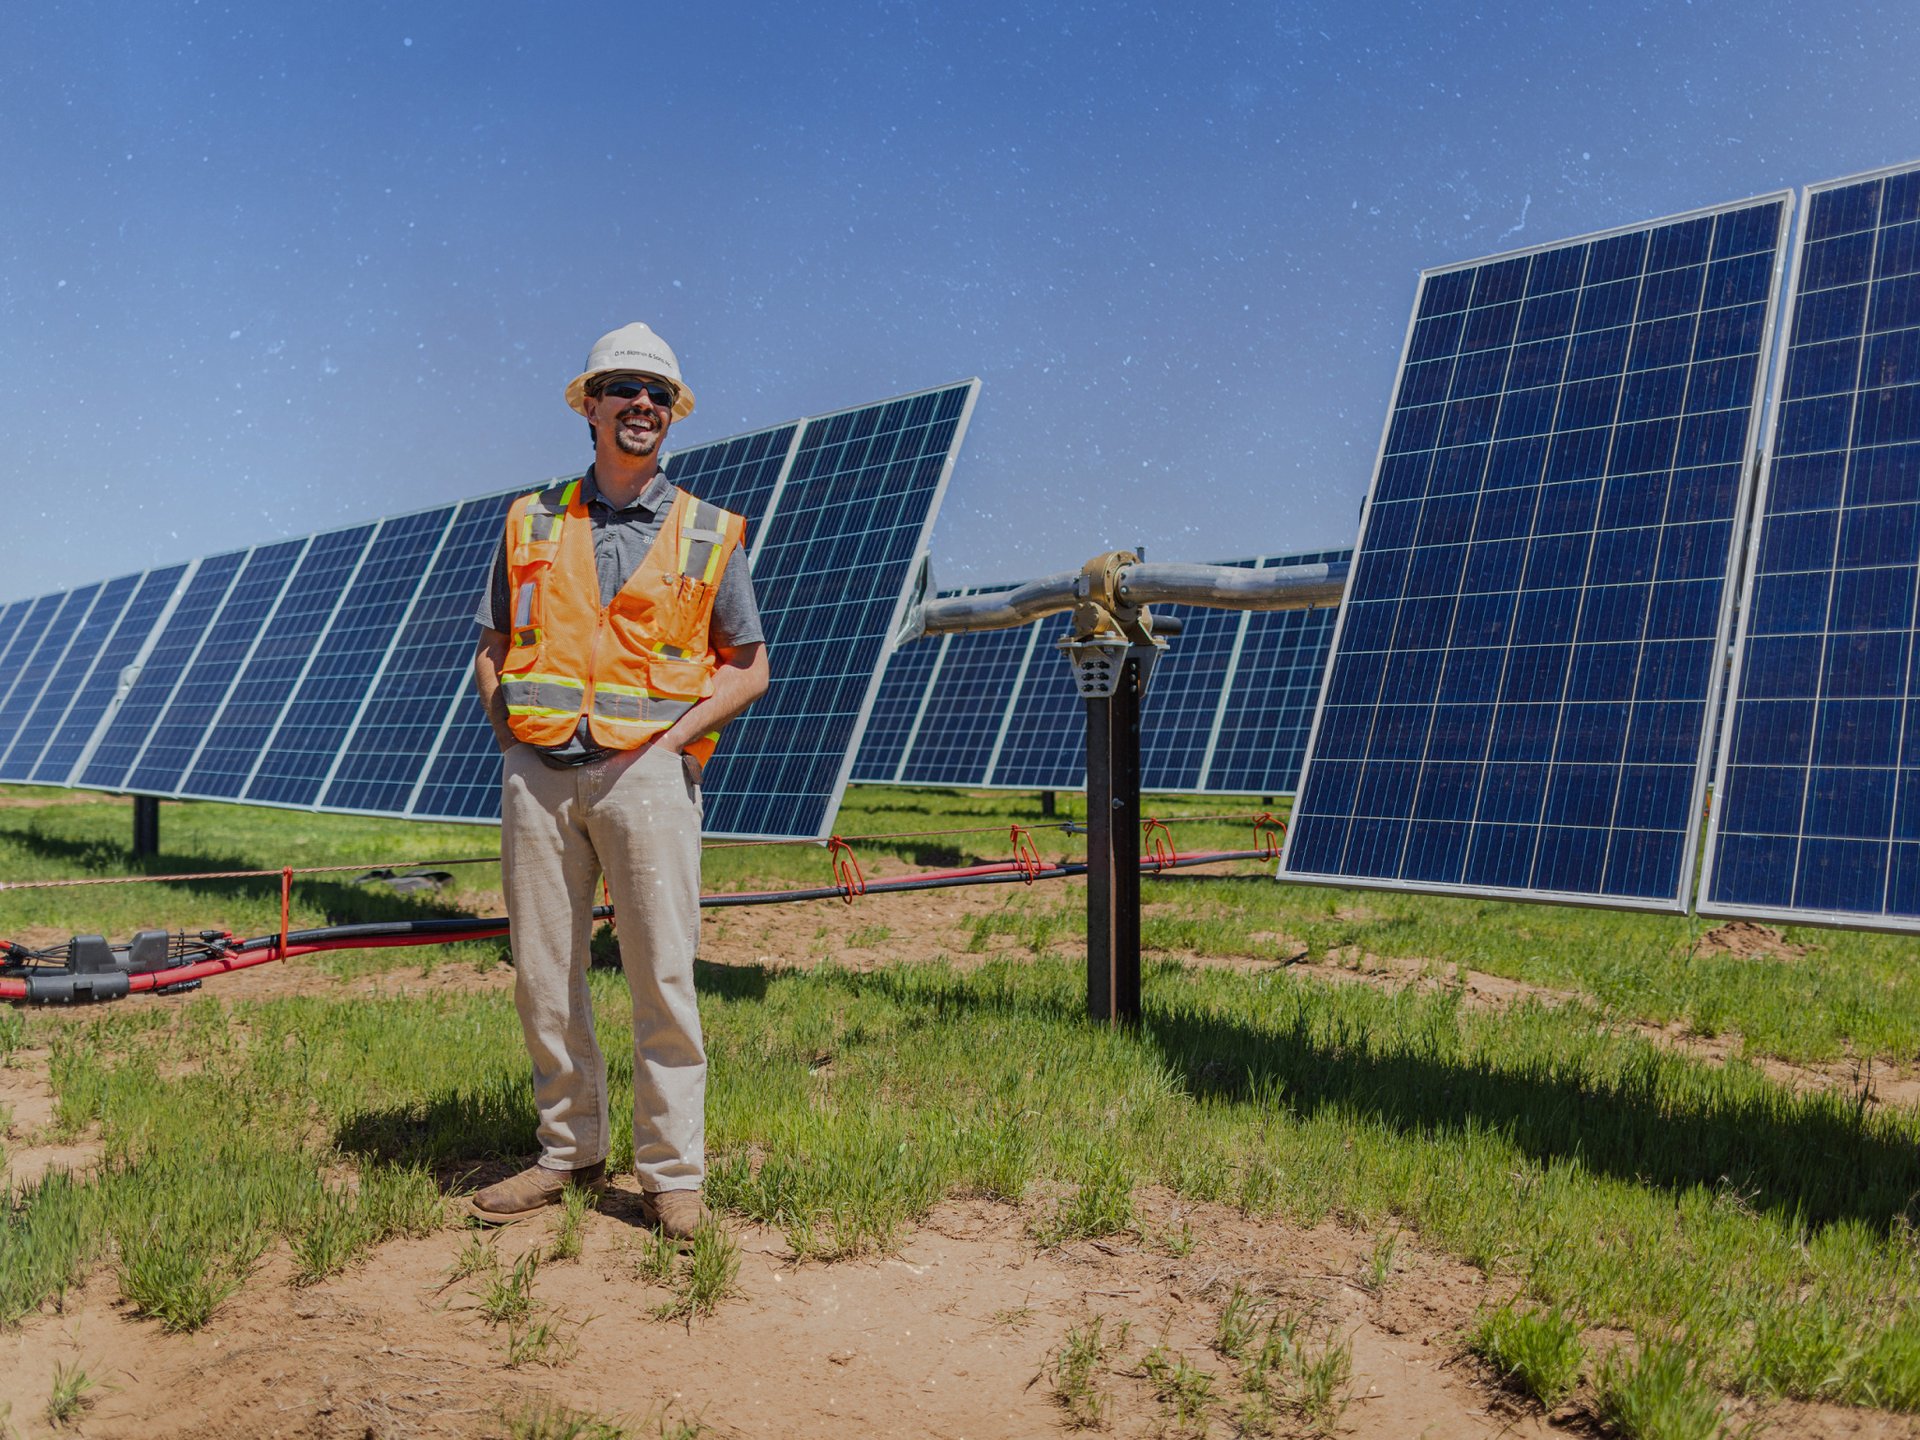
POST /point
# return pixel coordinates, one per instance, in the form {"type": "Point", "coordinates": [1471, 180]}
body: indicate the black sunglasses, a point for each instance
{"type": "Point", "coordinates": [658, 391]}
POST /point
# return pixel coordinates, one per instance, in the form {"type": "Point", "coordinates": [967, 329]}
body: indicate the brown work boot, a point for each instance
{"type": "Point", "coordinates": [674, 1213]}
{"type": "Point", "coordinates": [531, 1191]}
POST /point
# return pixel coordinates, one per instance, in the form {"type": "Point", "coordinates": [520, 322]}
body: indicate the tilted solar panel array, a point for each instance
{"type": "Point", "coordinates": [334, 672]}
{"type": "Point", "coordinates": [1226, 709]}
{"type": "Point", "coordinates": [1817, 808]}
{"type": "Point", "coordinates": [1524, 671]}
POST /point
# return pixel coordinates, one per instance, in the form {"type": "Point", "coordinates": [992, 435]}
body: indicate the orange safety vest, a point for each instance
{"type": "Point", "coordinates": [632, 667]}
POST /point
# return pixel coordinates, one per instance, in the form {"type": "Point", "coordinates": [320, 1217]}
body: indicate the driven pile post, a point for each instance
{"type": "Point", "coordinates": [146, 825]}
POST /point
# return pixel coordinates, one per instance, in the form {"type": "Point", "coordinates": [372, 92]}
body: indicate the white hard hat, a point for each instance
{"type": "Point", "coordinates": [631, 347]}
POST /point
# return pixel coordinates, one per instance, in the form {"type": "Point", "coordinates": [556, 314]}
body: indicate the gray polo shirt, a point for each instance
{"type": "Point", "coordinates": [621, 539]}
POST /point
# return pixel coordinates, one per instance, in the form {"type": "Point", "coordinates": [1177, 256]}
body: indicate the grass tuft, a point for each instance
{"type": "Point", "coordinates": [712, 1264]}
{"type": "Point", "coordinates": [1658, 1396]}
{"type": "Point", "coordinates": [72, 1394]}
{"type": "Point", "coordinates": [1538, 1353]}
{"type": "Point", "coordinates": [575, 1201]}
{"type": "Point", "coordinates": [1077, 1368]}
{"type": "Point", "coordinates": [506, 1298]}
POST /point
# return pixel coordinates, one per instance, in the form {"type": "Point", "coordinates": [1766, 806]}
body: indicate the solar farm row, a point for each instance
{"type": "Point", "coordinates": [1525, 676]}
{"type": "Point", "coordinates": [1226, 711]}
{"type": "Point", "coordinates": [333, 672]}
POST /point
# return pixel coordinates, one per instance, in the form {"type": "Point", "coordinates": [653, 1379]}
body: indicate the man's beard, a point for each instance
{"type": "Point", "coordinates": [639, 443]}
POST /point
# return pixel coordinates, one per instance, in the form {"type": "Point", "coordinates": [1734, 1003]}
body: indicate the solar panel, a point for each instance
{"type": "Point", "coordinates": [832, 567]}
{"type": "Point", "coordinates": [1181, 709]}
{"type": "Point", "coordinates": [39, 662]}
{"type": "Point", "coordinates": [431, 667]}
{"type": "Point", "coordinates": [128, 727]}
{"type": "Point", "coordinates": [96, 693]}
{"type": "Point", "coordinates": [1817, 798]}
{"type": "Point", "coordinates": [1525, 665]}
{"type": "Point", "coordinates": [1046, 744]}
{"type": "Point", "coordinates": [235, 740]}
{"type": "Point", "coordinates": [965, 703]}
{"type": "Point", "coordinates": [897, 710]}
{"type": "Point", "coordinates": [203, 686]}
{"type": "Point", "coordinates": [64, 678]}
{"type": "Point", "coordinates": [1267, 707]}
{"type": "Point", "coordinates": [345, 662]}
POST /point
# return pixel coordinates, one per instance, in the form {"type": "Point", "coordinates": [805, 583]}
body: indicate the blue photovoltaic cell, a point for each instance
{"type": "Point", "coordinates": [1263, 729]}
{"type": "Point", "coordinates": [347, 659]}
{"type": "Point", "coordinates": [237, 738]}
{"type": "Point", "coordinates": [57, 696]}
{"type": "Point", "coordinates": [132, 723]}
{"type": "Point", "coordinates": [1046, 744]}
{"type": "Point", "coordinates": [430, 669]}
{"type": "Point", "coordinates": [1817, 805]}
{"type": "Point", "coordinates": [177, 734]}
{"type": "Point", "coordinates": [1182, 702]}
{"type": "Point", "coordinates": [29, 628]}
{"type": "Point", "coordinates": [736, 474]}
{"type": "Point", "coordinates": [966, 707]}
{"type": "Point", "coordinates": [895, 709]}
{"type": "Point", "coordinates": [14, 633]}
{"type": "Point", "coordinates": [19, 742]}
{"type": "Point", "coordinates": [463, 780]}
{"type": "Point", "coordinates": [94, 694]}
{"type": "Point", "coordinates": [1523, 668]}
{"type": "Point", "coordinates": [831, 568]}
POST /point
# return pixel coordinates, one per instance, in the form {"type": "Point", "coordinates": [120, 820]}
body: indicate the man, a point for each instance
{"type": "Point", "coordinates": [618, 635]}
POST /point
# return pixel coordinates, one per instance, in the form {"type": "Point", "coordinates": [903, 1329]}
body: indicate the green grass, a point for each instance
{"type": "Point", "coordinates": [1598, 1175]}
{"type": "Point", "coordinates": [1536, 1352]}
{"type": "Point", "coordinates": [72, 1394]}
{"type": "Point", "coordinates": [1658, 1396]}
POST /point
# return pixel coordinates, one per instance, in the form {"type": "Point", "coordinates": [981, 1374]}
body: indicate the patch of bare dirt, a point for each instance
{"type": "Point", "coordinates": [954, 1335]}
{"type": "Point", "coordinates": [1748, 941]}
{"type": "Point", "coordinates": [951, 1336]}
{"type": "Point", "coordinates": [27, 1106]}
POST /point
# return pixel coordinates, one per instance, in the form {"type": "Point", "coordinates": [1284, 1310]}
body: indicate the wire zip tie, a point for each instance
{"type": "Point", "coordinates": [1268, 833]}
{"type": "Point", "coordinates": [1026, 854]}
{"type": "Point", "coordinates": [1158, 840]}
{"type": "Point", "coordinates": [286, 907]}
{"type": "Point", "coordinates": [846, 869]}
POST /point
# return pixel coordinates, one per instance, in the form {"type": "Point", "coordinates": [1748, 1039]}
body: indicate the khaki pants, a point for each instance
{"type": "Point", "coordinates": [635, 816]}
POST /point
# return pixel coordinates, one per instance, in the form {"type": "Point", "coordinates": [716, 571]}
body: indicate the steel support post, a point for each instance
{"type": "Point", "coordinates": [1113, 850]}
{"type": "Point", "coordinates": [146, 825]}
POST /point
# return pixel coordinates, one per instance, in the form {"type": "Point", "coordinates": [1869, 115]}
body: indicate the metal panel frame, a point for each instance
{"type": "Point", "coordinates": [1678, 904]}
{"type": "Point", "coordinates": [1831, 919]}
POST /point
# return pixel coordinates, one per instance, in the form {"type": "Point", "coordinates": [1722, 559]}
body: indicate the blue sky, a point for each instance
{"type": "Point", "coordinates": [269, 269]}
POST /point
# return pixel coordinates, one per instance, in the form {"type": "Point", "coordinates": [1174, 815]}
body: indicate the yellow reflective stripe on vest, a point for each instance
{"type": "Point", "coordinates": [637, 705]}
{"type": "Point", "coordinates": [702, 539]}
{"type": "Point", "coordinates": [535, 694]}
